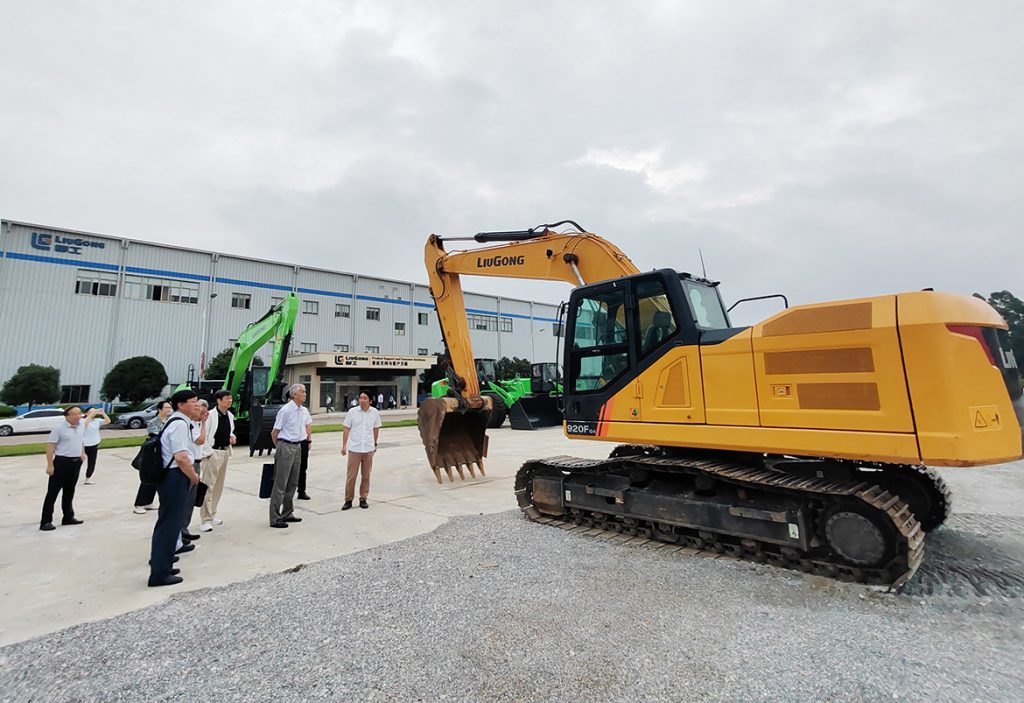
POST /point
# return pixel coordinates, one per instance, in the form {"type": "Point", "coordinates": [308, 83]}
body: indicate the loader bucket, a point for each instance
{"type": "Point", "coordinates": [454, 435]}
{"type": "Point", "coordinates": [533, 411]}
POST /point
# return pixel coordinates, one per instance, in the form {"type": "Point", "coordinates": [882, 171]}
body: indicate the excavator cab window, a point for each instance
{"type": "Point", "coordinates": [600, 345]}
{"type": "Point", "coordinates": [706, 305]}
{"type": "Point", "coordinates": [654, 314]}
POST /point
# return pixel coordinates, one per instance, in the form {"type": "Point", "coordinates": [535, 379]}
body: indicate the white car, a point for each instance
{"type": "Point", "coordinates": [32, 421]}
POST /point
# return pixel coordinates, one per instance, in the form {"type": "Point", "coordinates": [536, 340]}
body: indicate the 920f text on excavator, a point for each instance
{"type": "Point", "coordinates": [802, 441]}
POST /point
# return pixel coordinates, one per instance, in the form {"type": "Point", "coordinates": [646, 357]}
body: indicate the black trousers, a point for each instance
{"type": "Point", "coordinates": [190, 506]}
{"type": "Point", "coordinates": [303, 463]}
{"type": "Point", "coordinates": [64, 478]}
{"type": "Point", "coordinates": [90, 454]}
{"type": "Point", "coordinates": [173, 492]}
{"type": "Point", "coordinates": [146, 494]}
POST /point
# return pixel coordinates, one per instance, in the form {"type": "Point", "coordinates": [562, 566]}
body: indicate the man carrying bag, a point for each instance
{"type": "Point", "coordinates": [177, 452]}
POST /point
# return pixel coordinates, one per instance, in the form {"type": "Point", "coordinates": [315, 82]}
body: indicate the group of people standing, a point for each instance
{"type": "Point", "coordinates": [195, 444]}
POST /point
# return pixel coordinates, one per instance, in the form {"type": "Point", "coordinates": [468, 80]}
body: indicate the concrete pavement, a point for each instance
{"type": "Point", "coordinates": [52, 580]}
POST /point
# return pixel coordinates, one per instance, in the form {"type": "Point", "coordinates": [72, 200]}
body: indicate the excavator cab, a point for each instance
{"type": "Point", "coordinates": [617, 329]}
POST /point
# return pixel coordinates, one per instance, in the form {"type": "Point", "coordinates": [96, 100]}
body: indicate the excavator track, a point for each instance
{"type": "Point", "coordinates": [749, 512]}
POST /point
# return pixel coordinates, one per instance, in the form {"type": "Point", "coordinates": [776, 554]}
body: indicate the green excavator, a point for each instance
{"type": "Point", "coordinates": [257, 391]}
{"type": "Point", "coordinates": [528, 403]}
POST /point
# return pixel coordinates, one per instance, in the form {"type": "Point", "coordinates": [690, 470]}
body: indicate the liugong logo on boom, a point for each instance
{"type": "Point", "coordinates": [492, 261]}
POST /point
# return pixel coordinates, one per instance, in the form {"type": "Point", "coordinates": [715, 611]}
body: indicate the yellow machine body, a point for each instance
{"type": "Point", "coordinates": [894, 378]}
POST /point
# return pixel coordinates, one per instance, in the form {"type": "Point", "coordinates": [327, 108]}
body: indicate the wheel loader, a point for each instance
{"type": "Point", "coordinates": [802, 441]}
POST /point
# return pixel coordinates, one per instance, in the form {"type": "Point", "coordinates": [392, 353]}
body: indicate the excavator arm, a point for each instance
{"type": "Point", "coordinates": [277, 326]}
{"type": "Point", "coordinates": [452, 428]}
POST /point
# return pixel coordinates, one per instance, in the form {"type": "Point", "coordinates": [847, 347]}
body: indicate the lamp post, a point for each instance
{"type": "Point", "coordinates": [202, 354]}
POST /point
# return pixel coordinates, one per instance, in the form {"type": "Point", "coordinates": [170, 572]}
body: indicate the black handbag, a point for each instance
{"type": "Point", "coordinates": [267, 481]}
{"type": "Point", "coordinates": [201, 489]}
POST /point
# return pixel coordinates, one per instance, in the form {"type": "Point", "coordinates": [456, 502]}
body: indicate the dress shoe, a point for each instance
{"type": "Point", "coordinates": [47, 526]}
{"type": "Point", "coordinates": [185, 548]}
{"type": "Point", "coordinates": [279, 523]}
{"type": "Point", "coordinates": [347, 505]}
{"type": "Point", "coordinates": [169, 581]}
{"type": "Point", "coordinates": [175, 572]}
{"type": "Point", "coordinates": [304, 496]}
{"type": "Point", "coordinates": [363, 504]}
{"type": "Point", "coordinates": [292, 518]}
{"type": "Point", "coordinates": [71, 521]}
{"type": "Point", "coordinates": [174, 560]}
{"type": "Point", "coordinates": [189, 536]}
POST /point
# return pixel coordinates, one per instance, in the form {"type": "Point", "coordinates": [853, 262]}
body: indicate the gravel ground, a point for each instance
{"type": "Point", "coordinates": [495, 608]}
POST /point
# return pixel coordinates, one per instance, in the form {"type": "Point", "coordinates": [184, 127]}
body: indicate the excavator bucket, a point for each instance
{"type": "Point", "coordinates": [533, 411]}
{"type": "Point", "coordinates": [454, 435]}
{"type": "Point", "coordinates": [261, 424]}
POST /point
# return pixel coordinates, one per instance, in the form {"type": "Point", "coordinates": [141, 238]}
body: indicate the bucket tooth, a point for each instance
{"type": "Point", "coordinates": [471, 471]}
{"type": "Point", "coordinates": [462, 476]}
{"type": "Point", "coordinates": [437, 474]}
{"type": "Point", "coordinates": [448, 470]}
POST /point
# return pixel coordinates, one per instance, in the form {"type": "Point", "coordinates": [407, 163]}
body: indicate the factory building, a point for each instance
{"type": "Point", "coordinates": [81, 302]}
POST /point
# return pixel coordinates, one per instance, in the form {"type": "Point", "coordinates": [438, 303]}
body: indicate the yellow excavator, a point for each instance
{"type": "Point", "coordinates": [802, 441]}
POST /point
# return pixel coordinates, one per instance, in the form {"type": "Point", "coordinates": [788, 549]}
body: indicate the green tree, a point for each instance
{"type": "Point", "coordinates": [218, 366]}
{"type": "Point", "coordinates": [134, 379]}
{"type": "Point", "coordinates": [1012, 309]}
{"type": "Point", "coordinates": [32, 384]}
{"type": "Point", "coordinates": [508, 368]}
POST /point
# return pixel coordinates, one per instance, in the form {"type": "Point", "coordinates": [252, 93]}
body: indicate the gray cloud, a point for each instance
{"type": "Point", "coordinates": [819, 150]}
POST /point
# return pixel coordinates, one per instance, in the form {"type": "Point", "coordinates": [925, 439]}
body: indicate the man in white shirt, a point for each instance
{"type": "Point", "coordinates": [65, 452]}
{"type": "Point", "coordinates": [362, 429]}
{"type": "Point", "coordinates": [177, 450]}
{"type": "Point", "coordinates": [92, 439]}
{"type": "Point", "coordinates": [290, 430]}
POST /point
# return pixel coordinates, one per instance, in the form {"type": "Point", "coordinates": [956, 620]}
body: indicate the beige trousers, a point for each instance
{"type": "Point", "coordinates": [358, 463]}
{"type": "Point", "coordinates": [214, 469]}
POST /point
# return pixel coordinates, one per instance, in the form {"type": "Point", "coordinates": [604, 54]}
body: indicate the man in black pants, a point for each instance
{"type": "Point", "coordinates": [65, 452]}
{"type": "Point", "coordinates": [177, 449]}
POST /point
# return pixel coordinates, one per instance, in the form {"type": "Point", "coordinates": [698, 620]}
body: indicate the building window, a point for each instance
{"type": "Point", "coordinates": [373, 314]}
{"type": "Point", "coordinates": [373, 350]}
{"type": "Point", "coordinates": [557, 329]}
{"type": "Point", "coordinates": [341, 347]}
{"type": "Point", "coordinates": [422, 351]}
{"type": "Point", "coordinates": [165, 290]}
{"type": "Point", "coordinates": [423, 318]}
{"type": "Point", "coordinates": [506, 324]}
{"type": "Point", "coordinates": [399, 329]}
{"type": "Point", "coordinates": [308, 347]}
{"type": "Point", "coordinates": [242, 301]}
{"type": "Point", "coordinates": [74, 394]}
{"type": "Point", "coordinates": [310, 307]}
{"type": "Point", "coordinates": [483, 322]}
{"type": "Point", "coordinates": [96, 283]}
{"type": "Point", "coordinates": [276, 300]}
{"type": "Point", "coordinates": [342, 310]}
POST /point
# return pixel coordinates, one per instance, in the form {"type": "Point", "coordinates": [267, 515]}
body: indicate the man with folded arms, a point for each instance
{"type": "Point", "coordinates": [288, 434]}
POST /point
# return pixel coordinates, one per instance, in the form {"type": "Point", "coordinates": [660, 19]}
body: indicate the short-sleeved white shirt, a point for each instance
{"type": "Point", "coordinates": [291, 422]}
{"type": "Point", "coordinates": [69, 440]}
{"type": "Point", "coordinates": [177, 437]}
{"type": "Point", "coordinates": [361, 424]}
{"type": "Point", "coordinates": [92, 431]}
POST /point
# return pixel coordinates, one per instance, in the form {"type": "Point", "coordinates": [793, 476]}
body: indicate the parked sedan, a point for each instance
{"type": "Point", "coordinates": [32, 421]}
{"type": "Point", "coordinates": [138, 419]}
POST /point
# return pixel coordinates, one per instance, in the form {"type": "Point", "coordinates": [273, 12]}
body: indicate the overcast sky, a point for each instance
{"type": "Point", "coordinates": [814, 149]}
